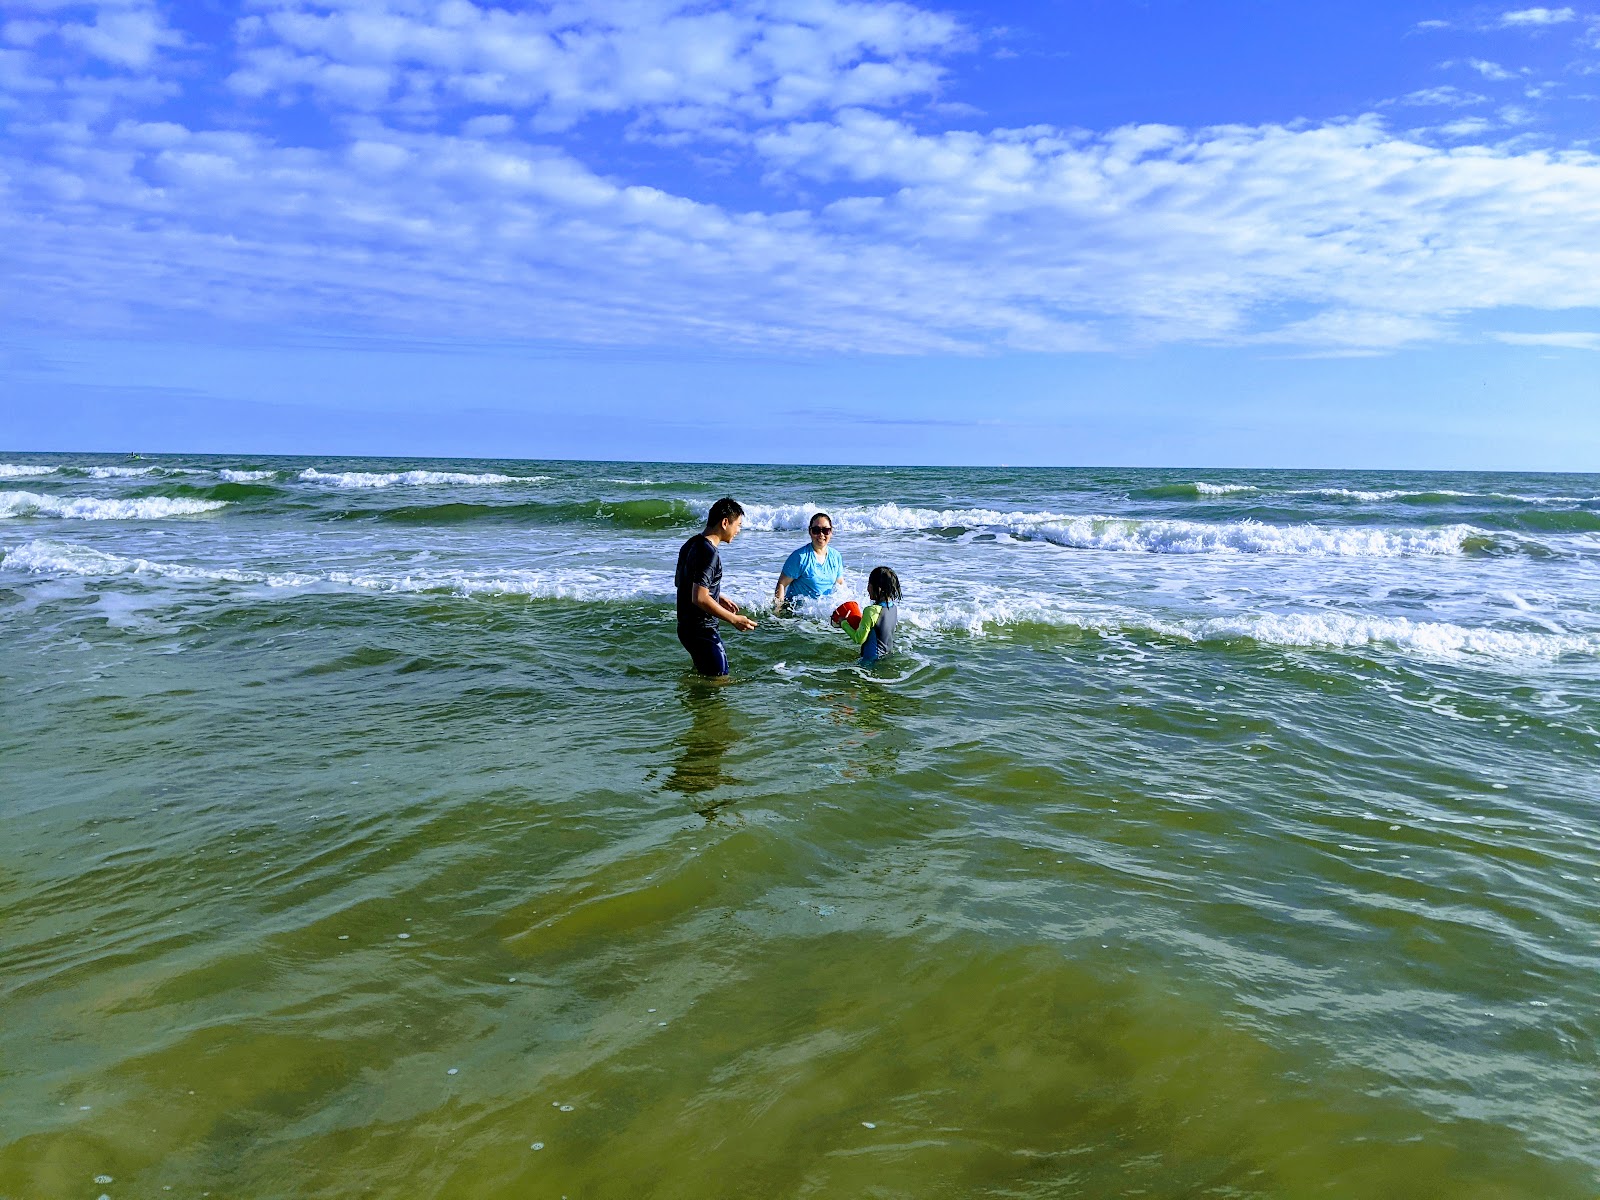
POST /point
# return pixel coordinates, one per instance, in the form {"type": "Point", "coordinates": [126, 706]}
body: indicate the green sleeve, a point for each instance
{"type": "Point", "coordinates": [869, 618]}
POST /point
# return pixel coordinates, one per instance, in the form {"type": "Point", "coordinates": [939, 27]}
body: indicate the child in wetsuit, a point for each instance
{"type": "Point", "coordinates": [874, 633]}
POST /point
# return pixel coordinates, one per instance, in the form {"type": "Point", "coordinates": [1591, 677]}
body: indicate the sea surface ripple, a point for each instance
{"type": "Point", "coordinates": [1211, 834]}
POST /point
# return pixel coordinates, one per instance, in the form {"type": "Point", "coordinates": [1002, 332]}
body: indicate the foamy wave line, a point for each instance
{"type": "Point", "coordinates": [44, 556]}
{"type": "Point", "coordinates": [1130, 534]}
{"type": "Point", "coordinates": [1439, 639]}
{"type": "Point", "coordinates": [1251, 537]}
{"type": "Point", "coordinates": [87, 508]}
{"type": "Point", "coordinates": [890, 516]}
{"type": "Point", "coordinates": [227, 475]}
{"type": "Point", "coordinates": [23, 470]}
{"type": "Point", "coordinates": [1363, 496]}
{"type": "Point", "coordinates": [1436, 638]}
{"type": "Point", "coordinates": [974, 615]}
{"type": "Point", "coordinates": [118, 472]}
{"type": "Point", "coordinates": [371, 479]}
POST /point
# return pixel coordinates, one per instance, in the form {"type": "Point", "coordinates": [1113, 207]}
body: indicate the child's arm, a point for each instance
{"type": "Point", "coordinates": [869, 618]}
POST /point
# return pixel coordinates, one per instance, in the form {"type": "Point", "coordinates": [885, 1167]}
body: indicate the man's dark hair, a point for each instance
{"type": "Point", "coordinates": [723, 510]}
{"type": "Point", "coordinates": [883, 584]}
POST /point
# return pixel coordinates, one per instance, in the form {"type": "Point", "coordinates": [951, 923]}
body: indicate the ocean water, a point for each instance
{"type": "Point", "coordinates": [1213, 834]}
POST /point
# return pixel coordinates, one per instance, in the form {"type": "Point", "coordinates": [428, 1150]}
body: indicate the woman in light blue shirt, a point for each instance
{"type": "Point", "coordinates": [813, 570]}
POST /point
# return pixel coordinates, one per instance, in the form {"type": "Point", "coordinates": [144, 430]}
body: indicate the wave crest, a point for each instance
{"type": "Point", "coordinates": [87, 508]}
{"type": "Point", "coordinates": [1255, 537]}
{"type": "Point", "coordinates": [384, 479]}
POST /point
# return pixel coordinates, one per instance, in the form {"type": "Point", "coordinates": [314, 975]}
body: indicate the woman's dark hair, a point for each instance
{"type": "Point", "coordinates": [883, 584]}
{"type": "Point", "coordinates": [813, 520]}
{"type": "Point", "coordinates": [723, 510]}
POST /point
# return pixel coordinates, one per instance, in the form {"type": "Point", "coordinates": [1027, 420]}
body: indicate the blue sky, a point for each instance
{"type": "Point", "coordinates": [809, 230]}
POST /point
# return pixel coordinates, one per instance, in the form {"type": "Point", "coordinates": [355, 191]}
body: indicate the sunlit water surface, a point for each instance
{"type": "Point", "coordinates": [1212, 834]}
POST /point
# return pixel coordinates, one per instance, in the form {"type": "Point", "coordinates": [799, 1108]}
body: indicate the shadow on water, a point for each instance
{"type": "Point", "coordinates": [702, 746]}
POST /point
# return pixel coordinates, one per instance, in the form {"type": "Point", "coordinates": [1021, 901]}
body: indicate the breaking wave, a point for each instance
{"type": "Point", "coordinates": [384, 479]}
{"type": "Point", "coordinates": [24, 471]}
{"type": "Point", "coordinates": [86, 508]}
{"type": "Point", "coordinates": [1322, 630]}
{"type": "Point", "coordinates": [1255, 537]}
{"type": "Point", "coordinates": [1146, 536]}
{"type": "Point", "coordinates": [44, 556]}
{"type": "Point", "coordinates": [976, 615]}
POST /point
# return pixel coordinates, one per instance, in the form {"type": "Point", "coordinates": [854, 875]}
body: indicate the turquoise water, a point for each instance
{"type": "Point", "coordinates": [1214, 833]}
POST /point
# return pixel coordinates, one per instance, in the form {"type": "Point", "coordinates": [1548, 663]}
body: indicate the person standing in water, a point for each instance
{"type": "Point", "coordinates": [699, 581]}
{"type": "Point", "coordinates": [813, 570]}
{"type": "Point", "coordinates": [873, 628]}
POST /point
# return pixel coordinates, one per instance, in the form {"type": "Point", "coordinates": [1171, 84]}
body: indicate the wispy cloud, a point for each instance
{"type": "Point", "coordinates": [1538, 16]}
{"type": "Point", "coordinates": [1563, 341]}
{"type": "Point", "coordinates": [429, 175]}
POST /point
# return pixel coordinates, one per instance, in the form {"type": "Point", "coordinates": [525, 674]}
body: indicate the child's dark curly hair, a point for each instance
{"type": "Point", "coordinates": [883, 584]}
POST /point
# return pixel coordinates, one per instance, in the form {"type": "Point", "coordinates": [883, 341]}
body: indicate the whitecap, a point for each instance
{"type": "Point", "coordinates": [1249, 537]}
{"type": "Point", "coordinates": [46, 557]}
{"type": "Point", "coordinates": [383, 479]}
{"type": "Point", "coordinates": [890, 516]}
{"type": "Point", "coordinates": [24, 470]}
{"type": "Point", "coordinates": [86, 508]}
{"type": "Point", "coordinates": [231, 476]}
{"type": "Point", "coordinates": [118, 472]}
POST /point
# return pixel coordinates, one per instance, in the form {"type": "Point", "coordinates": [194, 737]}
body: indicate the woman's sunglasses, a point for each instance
{"type": "Point", "coordinates": [821, 530]}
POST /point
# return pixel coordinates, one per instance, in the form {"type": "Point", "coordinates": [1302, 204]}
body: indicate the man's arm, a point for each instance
{"type": "Point", "coordinates": [721, 609]}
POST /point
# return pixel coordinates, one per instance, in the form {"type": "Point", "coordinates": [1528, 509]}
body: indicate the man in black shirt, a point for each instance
{"type": "Point", "coordinates": [699, 581]}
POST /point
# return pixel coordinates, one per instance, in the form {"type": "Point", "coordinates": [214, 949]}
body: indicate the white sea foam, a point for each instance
{"type": "Point", "coordinates": [1439, 639]}
{"type": "Point", "coordinates": [1248, 537]}
{"type": "Point", "coordinates": [87, 508]}
{"type": "Point", "coordinates": [1435, 638]}
{"type": "Point", "coordinates": [564, 584]}
{"type": "Point", "coordinates": [48, 556]}
{"type": "Point", "coordinates": [1129, 534]}
{"type": "Point", "coordinates": [1364, 496]}
{"type": "Point", "coordinates": [24, 470]}
{"type": "Point", "coordinates": [118, 472]}
{"type": "Point", "coordinates": [891, 516]}
{"type": "Point", "coordinates": [976, 614]}
{"type": "Point", "coordinates": [231, 476]}
{"type": "Point", "coordinates": [371, 479]}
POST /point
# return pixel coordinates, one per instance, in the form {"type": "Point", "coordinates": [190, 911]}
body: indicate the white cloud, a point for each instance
{"type": "Point", "coordinates": [126, 37]}
{"type": "Point", "coordinates": [1196, 234]}
{"type": "Point", "coordinates": [855, 231]}
{"type": "Point", "coordinates": [1538, 16]}
{"type": "Point", "coordinates": [1565, 341]}
{"type": "Point", "coordinates": [760, 58]}
{"type": "Point", "coordinates": [1343, 237]}
{"type": "Point", "coordinates": [1490, 70]}
{"type": "Point", "coordinates": [1447, 96]}
{"type": "Point", "coordinates": [1466, 127]}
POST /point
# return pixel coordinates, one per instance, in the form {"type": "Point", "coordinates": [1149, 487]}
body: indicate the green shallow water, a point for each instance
{"type": "Point", "coordinates": [1063, 920]}
{"type": "Point", "coordinates": [314, 891]}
